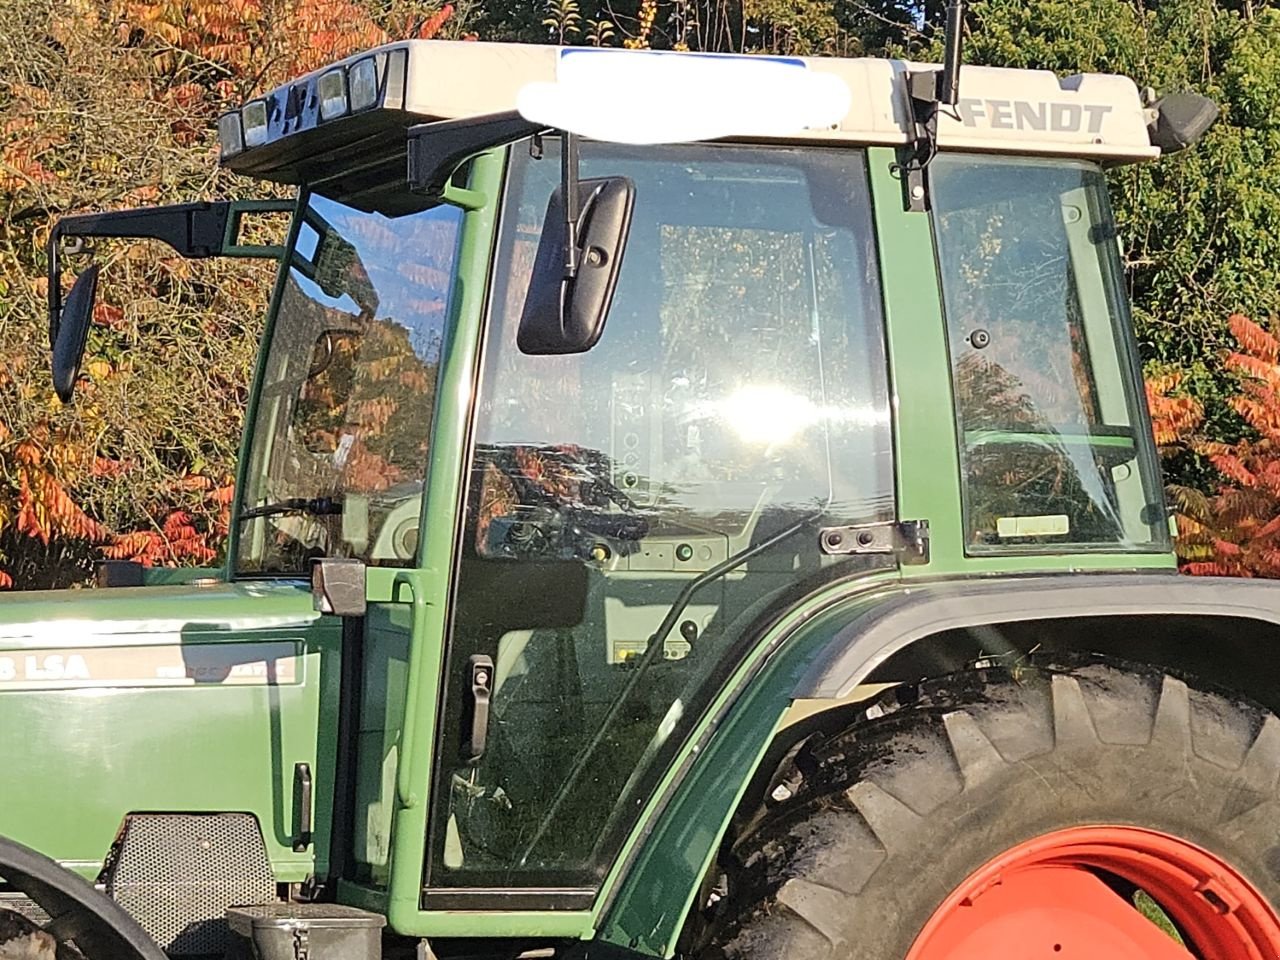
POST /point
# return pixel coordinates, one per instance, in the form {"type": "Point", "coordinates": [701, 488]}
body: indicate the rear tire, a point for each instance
{"type": "Point", "coordinates": [874, 828]}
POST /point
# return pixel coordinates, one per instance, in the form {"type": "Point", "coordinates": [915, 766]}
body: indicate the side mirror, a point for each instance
{"type": "Point", "coordinates": [73, 329]}
{"type": "Point", "coordinates": [1180, 120]}
{"type": "Point", "coordinates": [565, 313]}
{"type": "Point", "coordinates": [194, 230]}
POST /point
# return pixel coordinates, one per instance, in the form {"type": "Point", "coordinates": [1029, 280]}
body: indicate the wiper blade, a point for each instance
{"type": "Point", "coordinates": [312, 506]}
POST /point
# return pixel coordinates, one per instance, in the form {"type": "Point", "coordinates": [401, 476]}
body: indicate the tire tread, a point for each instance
{"type": "Point", "coordinates": [875, 807]}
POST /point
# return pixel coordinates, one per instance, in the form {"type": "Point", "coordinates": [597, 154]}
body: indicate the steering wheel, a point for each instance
{"type": "Point", "coordinates": [551, 502]}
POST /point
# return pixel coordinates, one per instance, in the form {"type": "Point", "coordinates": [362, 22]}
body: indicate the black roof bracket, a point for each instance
{"type": "Point", "coordinates": [437, 149]}
{"type": "Point", "coordinates": [913, 169]}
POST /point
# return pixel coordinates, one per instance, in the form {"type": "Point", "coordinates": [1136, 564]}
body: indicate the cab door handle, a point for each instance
{"type": "Point", "coordinates": [302, 798]}
{"type": "Point", "coordinates": [476, 717]}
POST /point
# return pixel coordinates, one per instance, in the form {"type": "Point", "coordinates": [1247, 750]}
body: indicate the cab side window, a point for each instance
{"type": "Point", "coordinates": [1054, 448]}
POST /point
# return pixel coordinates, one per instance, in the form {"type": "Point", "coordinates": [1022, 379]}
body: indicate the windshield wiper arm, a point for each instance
{"type": "Point", "coordinates": [312, 506]}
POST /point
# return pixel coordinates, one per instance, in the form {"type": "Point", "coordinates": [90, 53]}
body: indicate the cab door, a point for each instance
{"type": "Point", "coordinates": [338, 463]}
{"type": "Point", "coordinates": [632, 513]}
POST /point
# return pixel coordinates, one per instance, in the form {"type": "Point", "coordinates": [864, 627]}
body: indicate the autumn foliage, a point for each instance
{"type": "Point", "coordinates": [1234, 530]}
{"type": "Point", "coordinates": [113, 103]}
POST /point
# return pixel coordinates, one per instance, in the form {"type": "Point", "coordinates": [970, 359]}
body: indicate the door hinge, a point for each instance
{"type": "Point", "coordinates": [906, 539]}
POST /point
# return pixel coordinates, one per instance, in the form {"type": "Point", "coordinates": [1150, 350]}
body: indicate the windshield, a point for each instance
{"type": "Point", "coordinates": [343, 419]}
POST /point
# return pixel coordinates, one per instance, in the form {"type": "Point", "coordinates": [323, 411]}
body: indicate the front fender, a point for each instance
{"type": "Point", "coordinates": [652, 888]}
{"type": "Point", "coordinates": [866, 642]}
{"type": "Point", "coordinates": [837, 642]}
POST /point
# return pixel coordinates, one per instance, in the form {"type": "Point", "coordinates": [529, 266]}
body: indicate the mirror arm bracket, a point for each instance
{"type": "Point", "coordinates": [231, 245]}
{"type": "Point", "coordinates": [572, 210]}
{"type": "Point", "coordinates": [464, 197]}
{"type": "Point", "coordinates": [54, 293]}
{"type": "Point", "coordinates": [194, 230]}
{"type": "Point", "coordinates": [929, 91]}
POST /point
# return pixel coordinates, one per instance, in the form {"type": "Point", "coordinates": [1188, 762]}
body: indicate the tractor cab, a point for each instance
{"type": "Point", "coordinates": [570, 423]}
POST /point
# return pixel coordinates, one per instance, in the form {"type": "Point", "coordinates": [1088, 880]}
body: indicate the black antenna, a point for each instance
{"type": "Point", "coordinates": [929, 90]}
{"type": "Point", "coordinates": [949, 82]}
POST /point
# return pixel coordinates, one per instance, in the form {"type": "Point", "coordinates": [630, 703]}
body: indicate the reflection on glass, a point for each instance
{"type": "Point", "coordinates": [343, 421]}
{"type": "Point", "coordinates": [633, 510]}
{"type": "Point", "coordinates": [1053, 448]}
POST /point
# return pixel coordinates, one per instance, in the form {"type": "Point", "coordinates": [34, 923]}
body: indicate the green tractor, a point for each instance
{"type": "Point", "coordinates": [737, 541]}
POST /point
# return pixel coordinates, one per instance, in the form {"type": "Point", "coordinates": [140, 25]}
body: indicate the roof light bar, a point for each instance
{"type": "Point", "coordinates": [230, 134]}
{"type": "Point", "coordinates": [363, 84]}
{"type": "Point", "coordinates": [287, 120]}
{"type": "Point", "coordinates": [393, 84]}
{"type": "Point", "coordinates": [332, 89]}
{"type": "Point", "coordinates": [254, 118]}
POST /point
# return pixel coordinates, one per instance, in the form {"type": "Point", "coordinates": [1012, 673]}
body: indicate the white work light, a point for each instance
{"type": "Point", "coordinates": [332, 88]}
{"type": "Point", "coordinates": [230, 134]}
{"type": "Point", "coordinates": [254, 119]}
{"type": "Point", "coordinates": [363, 81]}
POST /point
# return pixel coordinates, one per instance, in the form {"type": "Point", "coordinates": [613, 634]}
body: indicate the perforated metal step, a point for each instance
{"type": "Point", "coordinates": [178, 873]}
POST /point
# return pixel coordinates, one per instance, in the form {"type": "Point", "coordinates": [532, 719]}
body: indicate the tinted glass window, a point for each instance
{"type": "Point", "coordinates": [1054, 447]}
{"type": "Point", "coordinates": [345, 408]}
{"type": "Point", "coordinates": [635, 510]}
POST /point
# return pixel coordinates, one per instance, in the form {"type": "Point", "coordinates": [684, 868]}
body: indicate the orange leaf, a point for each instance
{"type": "Point", "coordinates": [1253, 338]}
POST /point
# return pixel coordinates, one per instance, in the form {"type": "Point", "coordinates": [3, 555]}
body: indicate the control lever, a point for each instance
{"type": "Point", "coordinates": [479, 687]}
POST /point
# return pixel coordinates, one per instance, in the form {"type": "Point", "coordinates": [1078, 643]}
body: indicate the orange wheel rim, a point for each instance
{"type": "Point", "coordinates": [1062, 896]}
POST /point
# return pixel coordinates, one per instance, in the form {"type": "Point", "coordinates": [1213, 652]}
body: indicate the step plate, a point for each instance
{"type": "Point", "coordinates": [178, 873]}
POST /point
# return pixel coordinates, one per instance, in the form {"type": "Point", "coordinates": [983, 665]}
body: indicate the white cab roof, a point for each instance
{"type": "Point", "coordinates": [1002, 110]}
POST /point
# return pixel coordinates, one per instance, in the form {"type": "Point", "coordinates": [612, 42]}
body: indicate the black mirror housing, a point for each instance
{"type": "Point", "coordinates": [564, 314]}
{"type": "Point", "coordinates": [73, 330]}
{"type": "Point", "coordinates": [1180, 120]}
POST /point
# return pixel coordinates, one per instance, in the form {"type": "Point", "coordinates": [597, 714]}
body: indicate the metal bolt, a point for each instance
{"type": "Point", "coordinates": [917, 192]}
{"type": "Point", "coordinates": [482, 677]}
